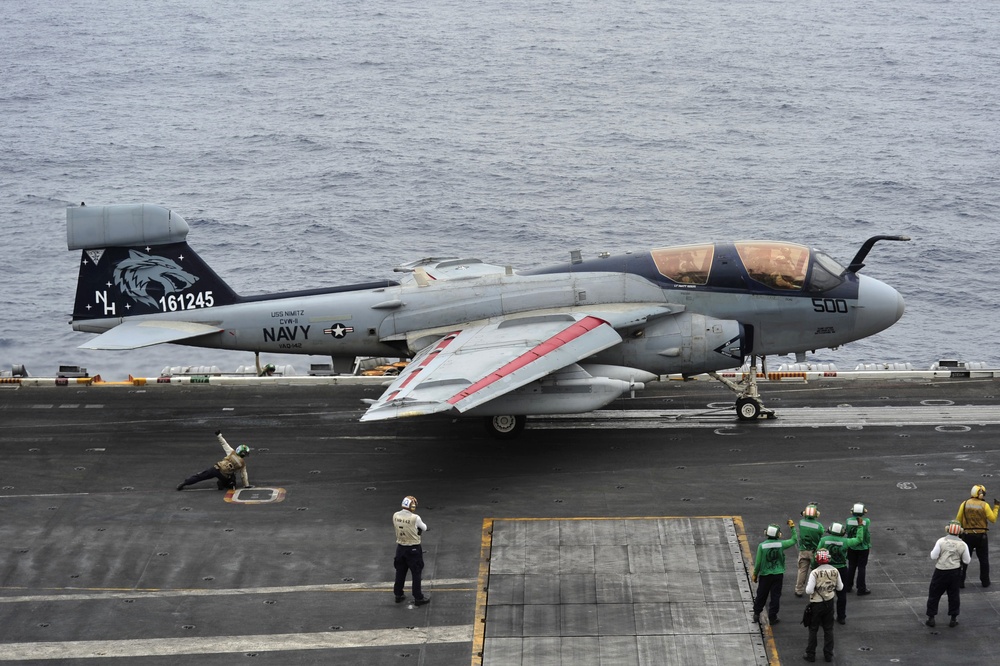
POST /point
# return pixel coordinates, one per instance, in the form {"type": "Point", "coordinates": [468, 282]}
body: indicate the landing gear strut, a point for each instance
{"type": "Point", "coordinates": [505, 426]}
{"type": "Point", "coordinates": [749, 406]}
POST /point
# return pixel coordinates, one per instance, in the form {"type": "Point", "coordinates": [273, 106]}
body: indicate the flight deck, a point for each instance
{"type": "Point", "coordinates": [619, 536]}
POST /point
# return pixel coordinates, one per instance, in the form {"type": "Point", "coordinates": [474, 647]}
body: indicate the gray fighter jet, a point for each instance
{"type": "Point", "coordinates": [487, 340]}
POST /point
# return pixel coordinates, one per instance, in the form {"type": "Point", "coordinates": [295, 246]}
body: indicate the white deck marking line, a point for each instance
{"type": "Point", "coordinates": [160, 647]}
{"type": "Point", "coordinates": [46, 495]}
{"type": "Point", "coordinates": [439, 584]}
{"type": "Point", "coordinates": [788, 417]}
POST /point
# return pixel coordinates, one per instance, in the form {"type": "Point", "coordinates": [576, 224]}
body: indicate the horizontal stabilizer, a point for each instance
{"type": "Point", "coordinates": [135, 334]}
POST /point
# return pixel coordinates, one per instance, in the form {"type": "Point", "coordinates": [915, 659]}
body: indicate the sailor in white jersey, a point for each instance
{"type": "Point", "coordinates": [409, 553]}
{"type": "Point", "coordinates": [951, 553]}
{"type": "Point", "coordinates": [824, 583]}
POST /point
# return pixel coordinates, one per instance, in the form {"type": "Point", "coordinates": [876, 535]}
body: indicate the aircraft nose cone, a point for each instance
{"type": "Point", "coordinates": [880, 306]}
{"type": "Point", "coordinates": [900, 306]}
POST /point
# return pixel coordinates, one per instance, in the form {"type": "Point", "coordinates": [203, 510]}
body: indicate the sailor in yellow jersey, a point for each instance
{"type": "Point", "coordinates": [409, 553]}
{"type": "Point", "coordinates": [974, 515]}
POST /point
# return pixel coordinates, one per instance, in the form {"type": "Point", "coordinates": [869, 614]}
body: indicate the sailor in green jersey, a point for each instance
{"type": "Point", "coordinates": [769, 571]}
{"type": "Point", "coordinates": [837, 544]}
{"type": "Point", "coordinates": [810, 532]}
{"type": "Point", "coordinates": [857, 556]}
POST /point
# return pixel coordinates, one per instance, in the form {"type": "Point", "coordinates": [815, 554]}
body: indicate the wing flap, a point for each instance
{"type": "Point", "coordinates": [472, 366]}
{"type": "Point", "coordinates": [136, 334]}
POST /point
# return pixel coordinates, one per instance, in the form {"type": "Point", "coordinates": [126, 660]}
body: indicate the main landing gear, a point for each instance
{"type": "Point", "coordinates": [748, 403]}
{"type": "Point", "coordinates": [505, 426]}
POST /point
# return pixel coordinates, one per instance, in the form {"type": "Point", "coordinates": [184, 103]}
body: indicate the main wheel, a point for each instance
{"type": "Point", "coordinates": [505, 426]}
{"type": "Point", "coordinates": [747, 409]}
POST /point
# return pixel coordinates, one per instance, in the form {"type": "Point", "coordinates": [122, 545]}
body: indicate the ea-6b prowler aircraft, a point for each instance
{"type": "Point", "coordinates": [488, 340]}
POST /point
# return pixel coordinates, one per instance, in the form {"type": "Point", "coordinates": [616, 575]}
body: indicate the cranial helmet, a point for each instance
{"type": "Point", "coordinates": [410, 502]}
{"type": "Point", "coordinates": [242, 450]}
{"type": "Point", "coordinates": [837, 529]}
{"type": "Point", "coordinates": [811, 511]}
{"type": "Point", "coordinates": [822, 556]}
{"type": "Point", "coordinates": [859, 509]}
{"type": "Point", "coordinates": [773, 531]}
{"type": "Point", "coordinates": [978, 491]}
{"type": "Point", "coordinates": [954, 527]}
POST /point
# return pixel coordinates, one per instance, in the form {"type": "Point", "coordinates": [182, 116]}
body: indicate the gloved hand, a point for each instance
{"type": "Point", "coordinates": [218, 432]}
{"type": "Point", "coordinates": [753, 577]}
{"type": "Point", "coordinates": [791, 523]}
{"type": "Point", "coordinates": [995, 501]}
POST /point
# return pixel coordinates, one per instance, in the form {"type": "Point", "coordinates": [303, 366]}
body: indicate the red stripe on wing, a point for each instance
{"type": "Point", "coordinates": [561, 338]}
{"type": "Point", "coordinates": [444, 342]}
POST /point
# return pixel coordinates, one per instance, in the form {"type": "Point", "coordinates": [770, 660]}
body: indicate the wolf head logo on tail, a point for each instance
{"type": "Point", "coordinates": [135, 275]}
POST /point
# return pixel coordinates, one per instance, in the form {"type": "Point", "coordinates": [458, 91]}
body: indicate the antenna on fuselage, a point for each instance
{"type": "Point", "coordinates": [859, 259]}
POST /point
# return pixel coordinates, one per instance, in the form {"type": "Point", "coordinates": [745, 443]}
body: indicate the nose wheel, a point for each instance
{"type": "Point", "coordinates": [748, 409]}
{"type": "Point", "coordinates": [751, 409]}
{"type": "Point", "coordinates": [749, 406]}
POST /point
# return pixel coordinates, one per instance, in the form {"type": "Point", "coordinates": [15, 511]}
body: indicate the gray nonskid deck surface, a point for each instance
{"type": "Point", "coordinates": [101, 558]}
{"type": "Point", "coordinates": [626, 591]}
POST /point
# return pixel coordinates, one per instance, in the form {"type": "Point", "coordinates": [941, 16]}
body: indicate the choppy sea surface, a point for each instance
{"type": "Point", "coordinates": [319, 143]}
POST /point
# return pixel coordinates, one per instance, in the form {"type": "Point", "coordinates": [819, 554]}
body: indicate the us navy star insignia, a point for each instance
{"type": "Point", "coordinates": [338, 330]}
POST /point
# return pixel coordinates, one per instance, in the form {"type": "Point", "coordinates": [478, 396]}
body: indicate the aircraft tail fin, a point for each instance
{"type": "Point", "coordinates": [136, 261]}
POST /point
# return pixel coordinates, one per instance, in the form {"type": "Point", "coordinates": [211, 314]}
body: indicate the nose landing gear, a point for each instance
{"type": "Point", "coordinates": [749, 406]}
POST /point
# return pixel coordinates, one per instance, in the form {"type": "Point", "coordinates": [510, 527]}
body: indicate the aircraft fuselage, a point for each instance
{"type": "Point", "coordinates": [396, 319]}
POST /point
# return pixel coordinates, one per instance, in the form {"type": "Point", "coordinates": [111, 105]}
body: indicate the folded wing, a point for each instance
{"type": "Point", "coordinates": [474, 365]}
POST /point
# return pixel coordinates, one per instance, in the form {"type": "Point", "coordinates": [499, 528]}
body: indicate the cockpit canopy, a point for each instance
{"type": "Point", "coordinates": [687, 264]}
{"type": "Point", "coordinates": [779, 266]}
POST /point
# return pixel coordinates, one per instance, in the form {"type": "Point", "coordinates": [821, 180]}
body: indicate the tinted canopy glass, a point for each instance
{"type": "Point", "coordinates": [777, 265]}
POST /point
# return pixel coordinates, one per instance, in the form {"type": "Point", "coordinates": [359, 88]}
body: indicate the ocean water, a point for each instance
{"type": "Point", "coordinates": [313, 144]}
